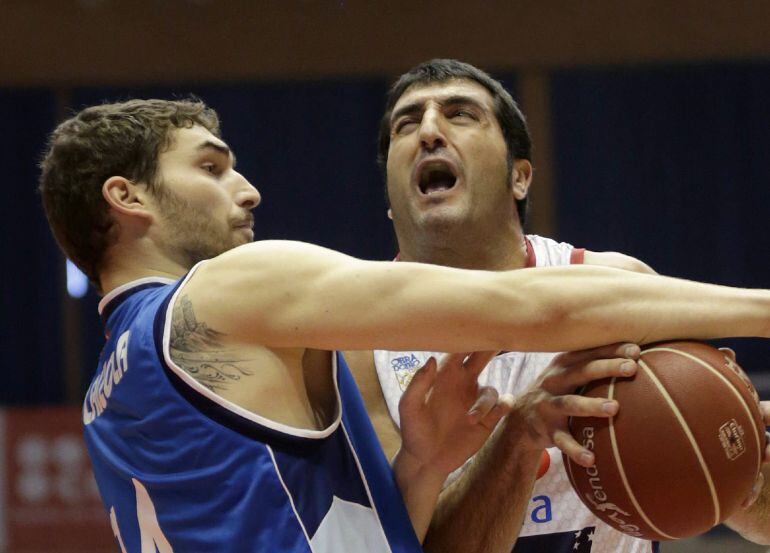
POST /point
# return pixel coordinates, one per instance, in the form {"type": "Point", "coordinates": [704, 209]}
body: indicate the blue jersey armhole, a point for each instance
{"type": "Point", "coordinates": [379, 475]}
{"type": "Point", "coordinates": [211, 409]}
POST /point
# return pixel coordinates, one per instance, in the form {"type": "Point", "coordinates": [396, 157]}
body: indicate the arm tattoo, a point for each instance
{"type": "Point", "coordinates": [200, 351]}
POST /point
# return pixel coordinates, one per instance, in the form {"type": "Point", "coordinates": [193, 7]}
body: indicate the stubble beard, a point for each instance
{"type": "Point", "coordinates": [193, 234]}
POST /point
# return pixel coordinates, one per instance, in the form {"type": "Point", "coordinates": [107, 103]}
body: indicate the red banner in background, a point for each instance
{"type": "Point", "coordinates": [49, 502]}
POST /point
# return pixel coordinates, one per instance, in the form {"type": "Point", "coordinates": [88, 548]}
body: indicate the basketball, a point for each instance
{"type": "Point", "coordinates": [684, 450]}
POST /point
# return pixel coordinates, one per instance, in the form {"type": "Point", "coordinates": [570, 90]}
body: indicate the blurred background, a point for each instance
{"type": "Point", "coordinates": [651, 124]}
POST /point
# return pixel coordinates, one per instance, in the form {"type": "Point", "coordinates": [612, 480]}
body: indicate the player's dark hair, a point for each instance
{"type": "Point", "coordinates": [509, 116]}
{"type": "Point", "coordinates": [121, 139]}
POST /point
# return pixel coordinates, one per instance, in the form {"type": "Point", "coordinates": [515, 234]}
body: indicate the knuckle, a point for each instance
{"type": "Point", "coordinates": [552, 378]}
{"type": "Point", "coordinates": [491, 392]}
{"type": "Point", "coordinates": [560, 402]}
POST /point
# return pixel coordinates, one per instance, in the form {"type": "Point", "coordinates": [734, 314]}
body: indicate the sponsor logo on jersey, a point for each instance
{"type": "Point", "coordinates": [404, 367]}
{"type": "Point", "coordinates": [110, 376]}
{"type": "Point", "coordinates": [542, 512]}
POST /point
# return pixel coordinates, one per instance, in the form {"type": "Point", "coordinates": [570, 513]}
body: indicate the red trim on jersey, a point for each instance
{"type": "Point", "coordinates": [545, 464]}
{"type": "Point", "coordinates": [531, 257]}
{"type": "Point", "coordinates": [577, 256]}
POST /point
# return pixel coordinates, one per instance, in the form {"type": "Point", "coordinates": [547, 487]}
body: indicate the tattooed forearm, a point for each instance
{"type": "Point", "coordinates": [200, 350]}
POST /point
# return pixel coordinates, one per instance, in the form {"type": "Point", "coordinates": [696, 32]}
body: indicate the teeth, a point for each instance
{"type": "Point", "coordinates": [436, 177]}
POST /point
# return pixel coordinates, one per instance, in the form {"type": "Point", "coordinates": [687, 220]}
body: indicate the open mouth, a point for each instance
{"type": "Point", "coordinates": [436, 177]}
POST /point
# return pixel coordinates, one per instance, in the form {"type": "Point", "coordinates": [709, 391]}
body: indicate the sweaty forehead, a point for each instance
{"type": "Point", "coordinates": [421, 93]}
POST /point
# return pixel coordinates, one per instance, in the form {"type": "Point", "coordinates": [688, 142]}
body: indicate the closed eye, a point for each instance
{"type": "Point", "coordinates": [402, 124]}
{"type": "Point", "coordinates": [463, 113]}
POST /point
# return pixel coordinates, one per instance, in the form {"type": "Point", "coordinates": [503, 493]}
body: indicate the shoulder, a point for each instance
{"type": "Point", "coordinates": [617, 260]}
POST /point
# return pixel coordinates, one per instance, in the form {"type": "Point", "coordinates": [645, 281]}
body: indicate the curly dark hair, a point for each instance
{"type": "Point", "coordinates": [119, 139]}
{"type": "Point", "coordinates": [509, 116]}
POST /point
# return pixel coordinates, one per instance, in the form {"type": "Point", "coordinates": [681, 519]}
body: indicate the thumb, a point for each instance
{"type": "Point", "coordinates": [503, 406]}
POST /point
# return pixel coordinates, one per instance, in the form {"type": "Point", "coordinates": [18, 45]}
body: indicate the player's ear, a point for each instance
{"type": "Point", "coordinates": [126, 197]}
{"type": "Point", "coordinates": [521, 177]}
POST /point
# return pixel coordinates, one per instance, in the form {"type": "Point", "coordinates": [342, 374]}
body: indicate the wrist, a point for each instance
{"type": "Point", "coordinates": [408, 470]}
{"type": "Point", "coordinates": [518, 432]}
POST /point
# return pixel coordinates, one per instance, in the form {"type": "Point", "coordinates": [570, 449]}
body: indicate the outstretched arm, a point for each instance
{"type": "Point", "coordinates": [289, 294]}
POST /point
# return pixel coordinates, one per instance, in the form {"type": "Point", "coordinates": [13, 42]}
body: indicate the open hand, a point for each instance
{"type": "Point", "coordinates": [445, 415]}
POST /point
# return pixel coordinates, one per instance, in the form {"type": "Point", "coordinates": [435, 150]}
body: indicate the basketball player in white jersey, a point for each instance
{"type": "Point", "coordinates": [455, 152]}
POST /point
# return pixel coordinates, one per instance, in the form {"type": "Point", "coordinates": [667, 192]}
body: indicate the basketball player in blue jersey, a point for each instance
{"type": "Point", "coordinates": [455, 150]}
{"type": "Point", "coordinates": [220, 419]}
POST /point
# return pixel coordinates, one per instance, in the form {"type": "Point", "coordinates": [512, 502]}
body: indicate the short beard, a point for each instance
{"type": "Point", "coordinates": [193, 235]}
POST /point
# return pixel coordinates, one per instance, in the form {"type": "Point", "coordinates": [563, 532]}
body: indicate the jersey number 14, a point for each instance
{"type": "Point", "coordinates": [151, 536]}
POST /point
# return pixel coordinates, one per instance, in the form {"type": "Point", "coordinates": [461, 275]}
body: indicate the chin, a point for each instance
{"type": "Point", "coordinates": [442, 217]}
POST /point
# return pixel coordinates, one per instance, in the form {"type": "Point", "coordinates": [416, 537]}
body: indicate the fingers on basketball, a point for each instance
{"type": "Point", "coordinates": [597, 369]}
{"type": "Point", "coordinates": [580, 406]}
{"type": "Point", "coordinates": [572, 449]}
{"type": "Point", "coordinates": [622, 349]}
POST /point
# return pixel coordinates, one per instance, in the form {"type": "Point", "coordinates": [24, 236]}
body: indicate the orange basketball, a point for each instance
{"type": "Point", "coordinates": [684, 450]}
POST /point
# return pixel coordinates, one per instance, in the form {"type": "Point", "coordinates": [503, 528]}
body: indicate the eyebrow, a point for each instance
{"type": "Point", "coordinates": [418, 107]}
{"type": "Point", "coordinates": [223, 149]}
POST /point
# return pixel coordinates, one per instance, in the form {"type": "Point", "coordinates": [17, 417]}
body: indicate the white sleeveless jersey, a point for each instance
{"type": "Point", "coordinates": [556, 520]}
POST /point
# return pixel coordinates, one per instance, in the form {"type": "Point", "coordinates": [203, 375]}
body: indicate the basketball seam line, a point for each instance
{"type": "Point", "coordinates": [622, 471]}
{"type": "Point", "coordinates": [690, 437]}
{"type": "Point", "coordinates": [731, 388]}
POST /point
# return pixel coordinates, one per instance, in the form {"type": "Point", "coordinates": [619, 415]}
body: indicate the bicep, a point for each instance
{"type": "Point", "coordinates": [289, 294]}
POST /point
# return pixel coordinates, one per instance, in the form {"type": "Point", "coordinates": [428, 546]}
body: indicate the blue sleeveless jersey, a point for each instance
{"type": "Point", "coordinates": [180, 469]}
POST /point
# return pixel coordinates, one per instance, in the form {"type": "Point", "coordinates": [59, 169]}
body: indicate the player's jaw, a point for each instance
{"type": "Point", "coordinates": [430, 195]}
{"type": "Point", "coordinates": [195, 233]}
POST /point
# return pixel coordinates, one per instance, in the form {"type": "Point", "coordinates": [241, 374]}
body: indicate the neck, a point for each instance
{"type": "Point", "coordinates": [501, 251]}
{"type": "Point", "coordinates": [124, 264]}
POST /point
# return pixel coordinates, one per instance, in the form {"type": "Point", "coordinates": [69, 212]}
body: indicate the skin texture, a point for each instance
{"type": "Point", "coordinates": [454, 123]}
{"type": "Point", "coordinates": [475, 225]}
{"type": "Point", "coordinates": [202, 209]}
{"type": "Point", "coordinates": [254, 324]}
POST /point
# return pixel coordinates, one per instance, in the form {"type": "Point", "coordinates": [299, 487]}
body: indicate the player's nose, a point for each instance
{"type": "Point", "coordinates": [247, 196]}
{"type": "Point", "coordinates": [431, 131]}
